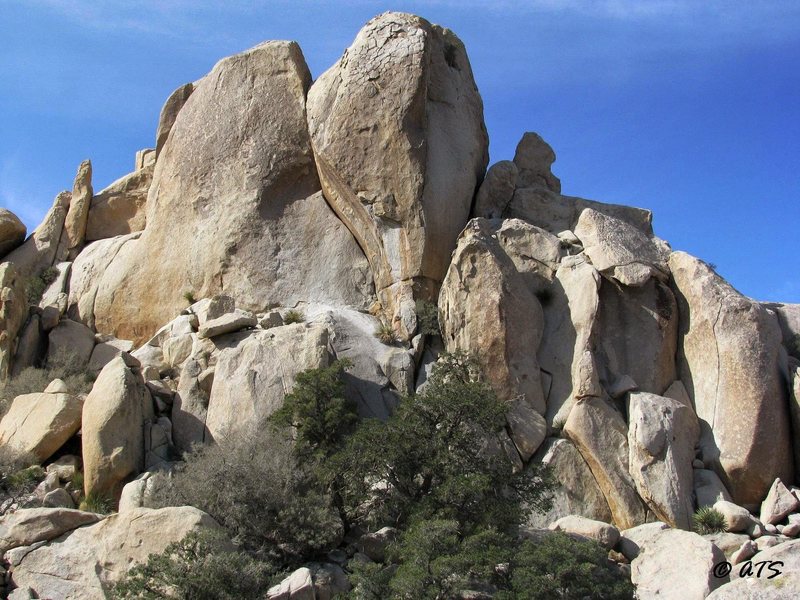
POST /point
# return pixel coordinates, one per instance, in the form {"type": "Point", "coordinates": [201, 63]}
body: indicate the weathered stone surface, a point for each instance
{"type": "Point", "coordinates": [40, 250]}
{"type": "Point", "coordinates": [58, 498]}
{"type": "Point", "coordinates": [41, 423]}
{"type": "Point", "coordinates": [730, 363]}
{"type": "Point", "coordinates": [81, 564]}
{"type": "Point", "coordinates": [409, 84]}
{"type": "Point", "coordinates": [778, 504]}
{"type": "Point", "coordinates": [533, 158]}
{"type": "Point", "coordinates": [87, 275]}
{"type": "Point", "coordinates": [13, 312]}
{"type": "Point", "coordinates": [30, 347]}
{"type": "Point", "coordinates": [708, 488]}
{"type": "Point", "coordinates": [534, 251]}
{"type": "Point", "coordinates": [604, 534]}
{"type": "Point", "coordinates": [73, 339]}
{"type": "Point", "coordinates": [570, 318]}
{"type": "Point", "coordinates": [487, 309]}
{"type": "Point", "coordinates": [238, 174]}
{"type": "Point", "coordinates": [737, 518]}
{"type": "Point", "coordinates": [556, 213]}
{"type": "Point", "coordinates": [374, 544]}
{"type": "Point", "coordinates": [190, 407]}
{"type": "Point", "coordinates": [209, 309]}
{"type": "Point", "coordinates": [297, 586]}
{"type": "Point", "coordinates": [53, 292]}
{"type": "Point", "coordinates": [146, 157]}
{"type": "Point", "coordinates": [794, 407]}
{"type": "Point", "coordinates": [120, 208]}
{"type": "Point", "coordinates": [636, 335]}
{"type": "Point", "coordinates": [104, 352]}
{"type": "Point", "coordinates": [621, 251]}
{"type": "Point", "coordinates": [112, 432]}
{"type": "Point", "coordinates": [12, 231]}
{"type": "Point", "coordinates": [676, 564]}
{"type": "Point", "coordinates": [729, 543]}
{"type": "Point", "coordinates": [496, 190]}
{"type": "Point", "coordinates": [785, 586]}
{"type": "Point", "coordinates": [379, 371]}
{"type": "Point", "coordinates": [27, 526]}
{"type": "Point", "coordinates": [662, 434]}
{"type": "Point", "coordinates": [577, 492]}
{"type": "Point", "coordinates": [631, 541]}
{"type": "Point", "coordinates": [601, 436]}
{"type": "Point", "coordinates": [254, 371]}
{"type": "Point", "coordinates": [169, 112]}
{"type": "Point", "coordinates": [228, 323]}
{"type": "Point", "coordinates": [78, 215]}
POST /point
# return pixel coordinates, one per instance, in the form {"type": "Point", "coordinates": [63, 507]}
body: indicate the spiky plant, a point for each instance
{"type": "Point", "coordinates": [293, 316]}
{"type": "Point", "coordinates": [709, 520]}
{"type": "Point", "coordinates": [386, 334]}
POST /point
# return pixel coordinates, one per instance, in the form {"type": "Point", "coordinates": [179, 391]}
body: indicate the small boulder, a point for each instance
{"type": "Point", "coordinates": [58, 498]}
{"type": "Point", "coordinates": [71, 338]}
{"type": "Point", "coordinates": [228, 323]}
{"type": "Point", "coordinates": [778, 504]}
{"type": "Point", "coordinates": [374, 544]}
{"type": "Point", "coordinates": [737, 518]}
{"type": "Point", "coordinates": [631, 541]}
{"type": "Point", "coordinates": [604, 534]}
{"type": "Point", "coordinates": [297, 586]}
{"type": "Point", "coordinates": [30, 525]}
{"type": "Point", "coordinates": [12, 231]}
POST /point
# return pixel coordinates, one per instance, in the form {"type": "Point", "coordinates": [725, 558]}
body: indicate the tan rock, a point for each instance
{"type": "Point", "coordinates": [631, 541]}
{"type": "Point", "coordinates": [30, 346]}
{"type": "Point", "coordinates": [730, 362]}
{"type": "Point", "coordinates": [121, 208]}
{"type": "Point", "coordinates": [74, 233]}
{"type": "Point", "coordinates": [662, 435]}
{"type": "Point", "coordinates": [487, 309]}
{"type": "Point", "coordinates": [577, 492]}
{"type": "Point", "coordinates": [73, 339]}
{"type": "Point", "coordinates": [604, 534]}
{"type": "Point", "coordinates": [104, 352]}
{"type": "Point", "coordinates": [256, 225]}
{"type": "Point", "coordinates": [533, 158]}
{"type": "Point", "coordinates": [40, 250]}
{"type": "Point", "coordinates": [677, 564]}
{"type": "Point", "coordinates": [208, 309]}
{"type": "Point", "coordinates": [169, 113]}
{"type": "Point", "coordinates": [570, 318]}
{"type": "Point", "coordinates": [794, 407]}
{"type": "Point", "coordinates": [12, 231]}
{"type": "Point", "coordinates": [737, 518]}
{"type": "Point", "coordinates": [112, 432]}
{"type": "Point", "coordinates": [254, 371]}
{"type": "Point", "coordinates": [601, 436]}
{"type": "Point", "coordinates": [496, 190]}
{"type": "Point", "coordinates": [53, 292]}
{"type": "Point", "coordinates": [30, 525]}
{"type": "Point", "coordinates": [41, 423]}
{"type": "Point", "coordinates": [146, 157]}
{"type": "Point", "coordinates": [13, 313]}
{"type": "Point", "coordinates": [84, 563]}
{"type": "Point", "coordinates": [88, 273]}
{"type": "Point", "coordinates": [407, 217]}
{"type": "Point", "coordinates": [778, 504]}
{"type": "Point", "coordinates": [297, 586]}
{"type": "Point", "coordinates": [227, 323]}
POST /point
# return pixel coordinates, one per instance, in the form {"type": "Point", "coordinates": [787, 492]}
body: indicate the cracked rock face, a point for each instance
{"type": "Point", "coordinates": [234, 206]}
{"type": "Point", "coordinates": [400, 145]}
{"type": "Point", "coordinates": [730, 361]}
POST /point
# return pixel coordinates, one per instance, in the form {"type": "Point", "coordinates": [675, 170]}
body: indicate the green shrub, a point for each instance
{"type": "Point", "coordinates": [386, 334]}
{"type": "Point", "coordinates": [254, 488]}
{"type": "Point", "coordinates": [318, 411]}
{"type": "Point", "coordinates": [430, 454]}
{"type": "Point", "coordinates": [97, 503]}
{"type": "Point", "coordinates": [199, 567]}
{"type": "Point", "coordinates": [17, 477]}
{"type": "Point", "coordinates": [428, 318]}
{"type": "Point", "coordinates": [38, 284]}
{"type": "Point", "coordinates": [709, 520]}
{"type": "Point", "coordinates": [293, 316]}
{"type": "Point", "coordinates": [189, 297]}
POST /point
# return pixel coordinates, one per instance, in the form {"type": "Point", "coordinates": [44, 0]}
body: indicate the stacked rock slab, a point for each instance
{"type": "Point", "coordinates": [731, 362]}
{"type": "Point", "coordinates": [237, 174]}
{"type": "Point", "coordinates": [400, 145]}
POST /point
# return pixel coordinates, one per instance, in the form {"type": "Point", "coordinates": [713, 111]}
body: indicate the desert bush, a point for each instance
{"type": "Point", "coordinates": [97, 503]}
{"type": "Point", "coordinates": [386, 334]}
{"type": "Point", "coordinates": [38, 283]}
{"type": "Point", "coordinates": [293, 316]}
{"type": "Point", "coordinates": [708, 520]}
{"type": "Point", "coordinates": [33, 380]}
{"type": "Point", "coordinates": [428, 318]}
{"type": "Point", "coordinates": [17, 477]}
{"type": "Point", "coordinates": [199, 567]}
{"type": "Point", "coordinates": [428, 460]}
{"type": "Point", "coordinates": [189, 297]}
{"type": "Point", "coordinates": [254, 488]}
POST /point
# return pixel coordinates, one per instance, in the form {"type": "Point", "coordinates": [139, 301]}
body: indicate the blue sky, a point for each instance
{"type": "Point", "coordinates": [689, 108]}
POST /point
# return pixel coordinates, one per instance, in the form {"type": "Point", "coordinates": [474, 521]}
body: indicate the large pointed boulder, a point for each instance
{"type": "Point", "coordinates": [731, 362]}
{"type": "Point", "coordinates": [12, 231]}
{"type": "Point", "coordinates": [486, 308]}
{"type": "Point", "coordinates": [40, 250]}
{"type": "Point", "coordinates": [400, 144]}
{"type": "Point", "coordinates": [235, 205]}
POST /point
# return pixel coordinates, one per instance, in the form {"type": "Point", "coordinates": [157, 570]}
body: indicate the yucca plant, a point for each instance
{"type": "Point", "coordinates": [386, 334]}
{"type": "Point", "coordinates": [709, 520]}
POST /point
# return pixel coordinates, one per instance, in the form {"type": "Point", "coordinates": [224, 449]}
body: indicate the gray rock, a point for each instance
{"type": "Point", "coordinates": [708, 488]}
{"type": "Point", "coordinates": [778, 504]}
{"type": "Point", "coordinates": [631, 541]}
{"type": "Point", "coordinates": [738, 518]}
{"type": "Point", "coordinates": [228, 323]}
